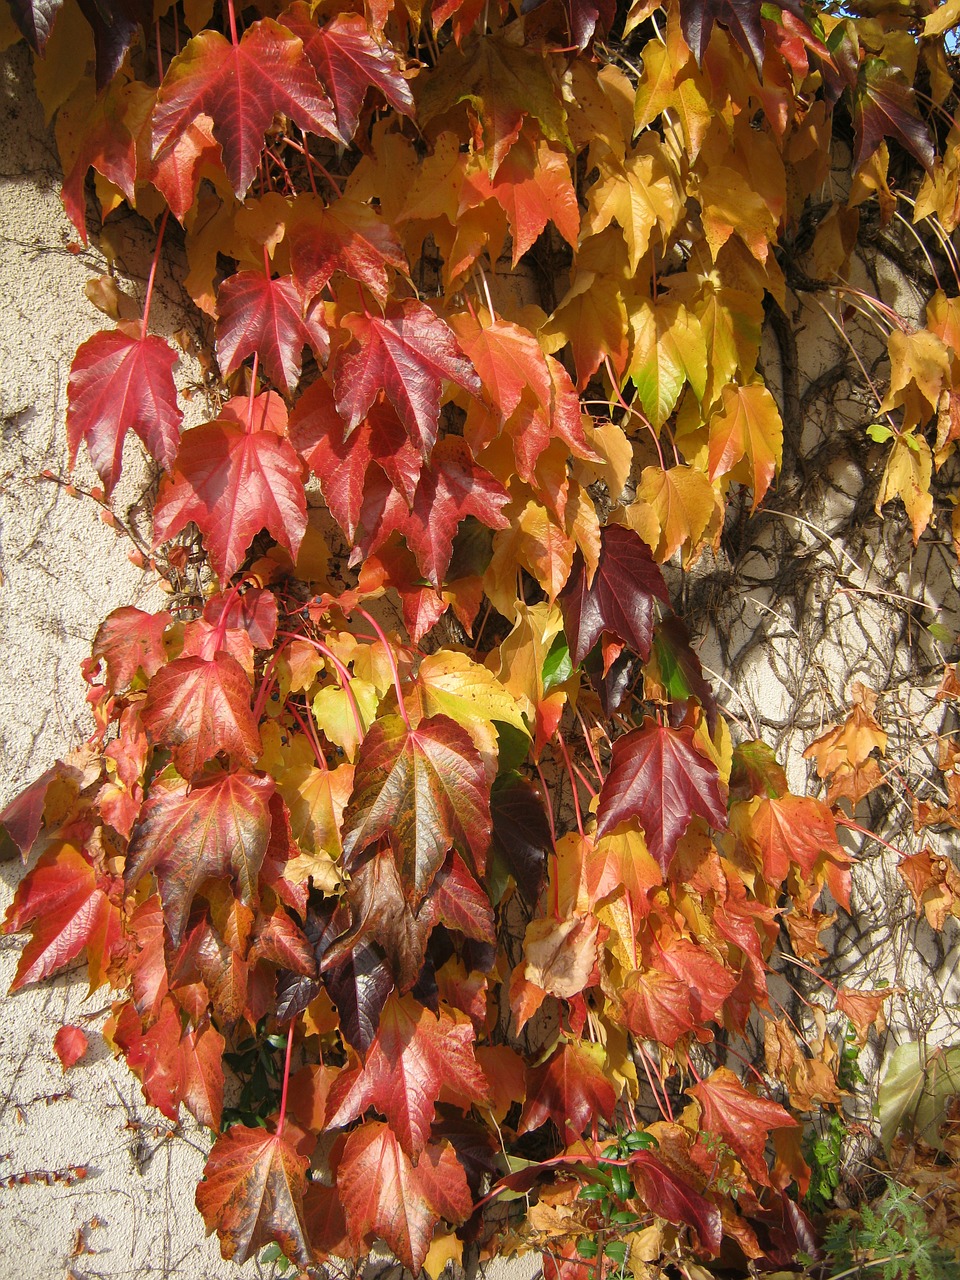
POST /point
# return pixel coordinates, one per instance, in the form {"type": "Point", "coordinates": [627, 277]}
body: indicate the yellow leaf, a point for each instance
{"type": "Point", "coordinates": [942, 19]}
{"type": "Point", "coordinates": [746, 438]}
{"type": "Point", "coordinates": [333, 710]}
{"type": "Point", "coordinates": [452, 684]}
{"type": "Point", "coordinates": [443, 1249]}
{"type": "Point", "coordinates": [609, 441]}
{"type": "Point", "coordinates": [682, 499]}
{"type": "Point", "coordinates": [592, 317]}
{"type": "Point", "coordinates": [668, 351]}
{"type": "Point", "coordinates": [907, 476]}
{"type": "Point", "coordinates": [731, 205]}
{"type": "Point", "coordinates": [919, 370]}
{"type": "Point", "coordinates": [640, 195]}
{"type": "Point", "coordinates": [523, 652]}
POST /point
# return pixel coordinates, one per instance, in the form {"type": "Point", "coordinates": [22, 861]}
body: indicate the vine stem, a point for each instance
{"type": "Point", "coordinates": [391, 659]}
{"type": "Point", "coordinates": [286, 1065]}
{"type": "Point", "coordinates": [253, 393]}
{"type": "Point", "coordinates": [233, 23]}
{"type": "Point", "coordinates": [153, 275]}
{"type": "Point", "coordinates": [342, 672]}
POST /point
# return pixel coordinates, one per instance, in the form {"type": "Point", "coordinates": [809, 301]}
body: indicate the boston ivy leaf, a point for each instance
{"type": "Point", "coordinates": [349, 61]}
{"type": "Point", "coordinates": [680, 669]}
{"type": "Point", "coordinates": [885, 107]}
{"type": "Point", "coordinates": [35, 18]}
{"type": "Point", "coordinates": [198, 707]}
{"type": "Point", "coordinates": [657, 1005]}
{"type": "Point", "coordinates": [175, 1066]}
{"type": "Point", "coordinates": [740, 17]}
{"type": "Point", "coordinates": [458, 901]}
{"type": "Point", "coordinates": [252, 1193]}
{"type": "Point", "coordinates": [345, 236]}
{"type": "Point", "coordinates": [241, 87]}
{"type": "Point", "coordinates": [668, 1196]}
{"type": "Point", "coordinates": [741, 1119]}
{"type": "Point", "coordinates": [122, 379]}
{"type": "Point", "coordinates": [425, 788]}
{"type": "Point", "coordinates": [658, 775]}
{"type": "Point", "coordinates": [414, 1054]}
{"type": "Point", "coordinates": [405, 353]}
{"type": "Point", "coordinates": [264, 315]}
{"type": "Point", "coordinates": [521, 834]}
{"type": "Point", "coordinates": [746, 437]}
{"type": "Point", "coordinates": [383, 1194]}
{"type": "Point", "coordinates": [67, 902]}
{"type": "Point", "coordinates": [188, 835]}
{"type": "Point", "coordinates": [128, 641]}
{"type": "Point", "coordinates": [620, 598]}
{"type": "Point", "coordinates": [70, 1044]}
{"type": "Point", "coordinates": [359, 985]}
{"type": "Point", "coordinates": [571, 1088]}
{"type": "Point", "coordinates": [504, 82]}
{"type": "Point", "coordinates": [234, 477]}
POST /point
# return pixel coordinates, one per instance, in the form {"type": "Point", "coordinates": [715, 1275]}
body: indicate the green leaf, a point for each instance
{"type": "Point", "coordinates": [916, 1087]}
{"type": "Point", "coordinates": [880, 433]}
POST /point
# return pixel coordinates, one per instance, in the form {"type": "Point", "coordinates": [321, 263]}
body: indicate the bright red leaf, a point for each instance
{"type": "Point", "coordinates": [122, 379]}
{"type": "Point", "coordinates": [233, 482]}
{"type": "Point", "coordinates": [425, 788]}
{"type": "Point", "coordinates": [252, 1193]}
{"type": "Point", "coordinates": [658, 775]}
{"type": "Point", "coordinates": [741, 1119]}
{"type": "Point", "coordinates": [218, 829]}
{"type": "Point", "coordinates": [241, 87]}
{"type": "Point", "coordinates": [415, 1052]}
{"type": "Point", "coordinates": [349, 61]}
{"type": "Point", "coordinates": [67, 903]}
{"type": "Point", "coordinates": [264, 315]}
{"type": "Point", "coordinates": [345, 236]}
{"type": "Point", "coordinates": [406, 353]}
{"type": "Point", "coordinates": [198, 707]}
{"type": "Point", "coordinates": [70, 1044]}
{"type": "Point", "coordinates": [130, 640]}
{"type": "Point", "coordinates": [572, 1088]}
{"type": "Point", "coordinates": [668, 1196]}
{"type": "Point", "coordinates": [383, 1194]}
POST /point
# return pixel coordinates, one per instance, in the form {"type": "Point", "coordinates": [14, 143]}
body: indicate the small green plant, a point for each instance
{"type": "Point", "coordinates": [824, 1156]}
{"type": "Point", "coordinates": [610, 1186]}
{"type": "Point", "coordinates": [889, 1237]}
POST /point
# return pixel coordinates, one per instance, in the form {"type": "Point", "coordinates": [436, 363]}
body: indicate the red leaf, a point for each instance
{"type": "Point", "coordinates": [346, 236]}
{"type": "Point", "coordinates": [359, 986]}
{"type": "Point", "coordinates": [791, 829]}
{"type": "Point", "coordinates": [620, 598]}
{"type": "Point", "coordinates": [128, 641]}
{"type": "Point", "coordinates": [452, 486]}
{"type": "Point", "coordinates": [340, 462]}
{"type": "Point", "coordinates": [459, 902]}
{"type": "Point", "coordinates": [176, 173]}
{"type": "Point", "coordinates": [255, 612]}
{"type": "Point", "coordinates": [406, 353]}
{"type": "Point", "coordinates": [175, 1066]}
{"type": "Point", "coordinates": [65, 900]}
{"type": "Point", "coordinates": [252, 1193]}
{"type": "Point", "coordinates": [241, 87]}
{"type": "Point", "coordinates": [425, 788]}
{"type": "Point", "coordinates": [670, 1197]}
{"type": "Point", "coordinates": [70, 1045]}
{"type": "Point", "coordinates": [120, 379]}
{"type": "Point", "coordinates": [658, 775]}
{"type": "Point", "coordinates": [349, 61]}
{"type": "Point", "coordinates": [571, 1088]}
{"type": "Point", "coordinates": [384, 1195]}
{"type": "Point", "coordinates": [260, 314]}
{"type": "Point", "coordinates": [657, 1006]}
{"type": "Point", "coordinates": [218, 829]}
{"type": "Point", "coordinates": [198, 707]}
{"type": "Point", "coordinates": [233, 482]}
{"type": "Point", "coordinates": [414, 1054]}
{"type": "Point", "coordinates": [741, 1118]}
{"type": "Point", "coordinates": [46, 800]}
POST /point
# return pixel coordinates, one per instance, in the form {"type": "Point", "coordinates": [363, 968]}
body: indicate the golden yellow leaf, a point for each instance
{"type": "Point", "coordinates": [668, 352]}
{"type": "Point", "coordinates": [443, 1249]}
{"type": "Point", "coordinates": [907, 476]}
{"type": "Point", "coordinates": [746, 438]}
{"type": "Point", "coordinates": [919, 370]}
{"type": "Point", "coordinates": [640, 195]}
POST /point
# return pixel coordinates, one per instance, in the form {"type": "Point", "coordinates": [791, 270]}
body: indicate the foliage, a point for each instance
{"type": "Point", "coordinates": [889, 1239]}
{"type": "Point", "coordinates": [422, 785]}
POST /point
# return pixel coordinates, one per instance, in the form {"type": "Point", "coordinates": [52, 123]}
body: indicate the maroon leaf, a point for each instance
{"type": "Point", "coordinates": [349, 61]}
{"type": "Point", "coordinates": [359, 986]}
{"type": "Point", "coordinates": [620, 599]}
{"type": "Point", "coordinates": [521, 834]}
{"type": "Point", "coordinates": [659, 776]}
{"type": "Point", "coordinates": [216, 830]}
{"type": "Point", "coordinates": [668, 1196]}
{"type": "Point", "coordinates": [122, 379]}
{"type": "Point", "coordinates": [252, 1193]}
{"type": "Point", "coordinates": [740, 17]}
{"type": "Point", "coordinates": [198, 707]}
{"type": "Point", "coordinates": [234, 477]}
{"type": "Point", "coordinates": [425, 788]}
{"type": "Point", "coordinates": [260, 314]}
{"type": "Point", "coordinates": [884, 107]}
{"type": "Point", "coordinates": [405, 353]}
{"type": "Point", "coordinates": [241, 87]}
